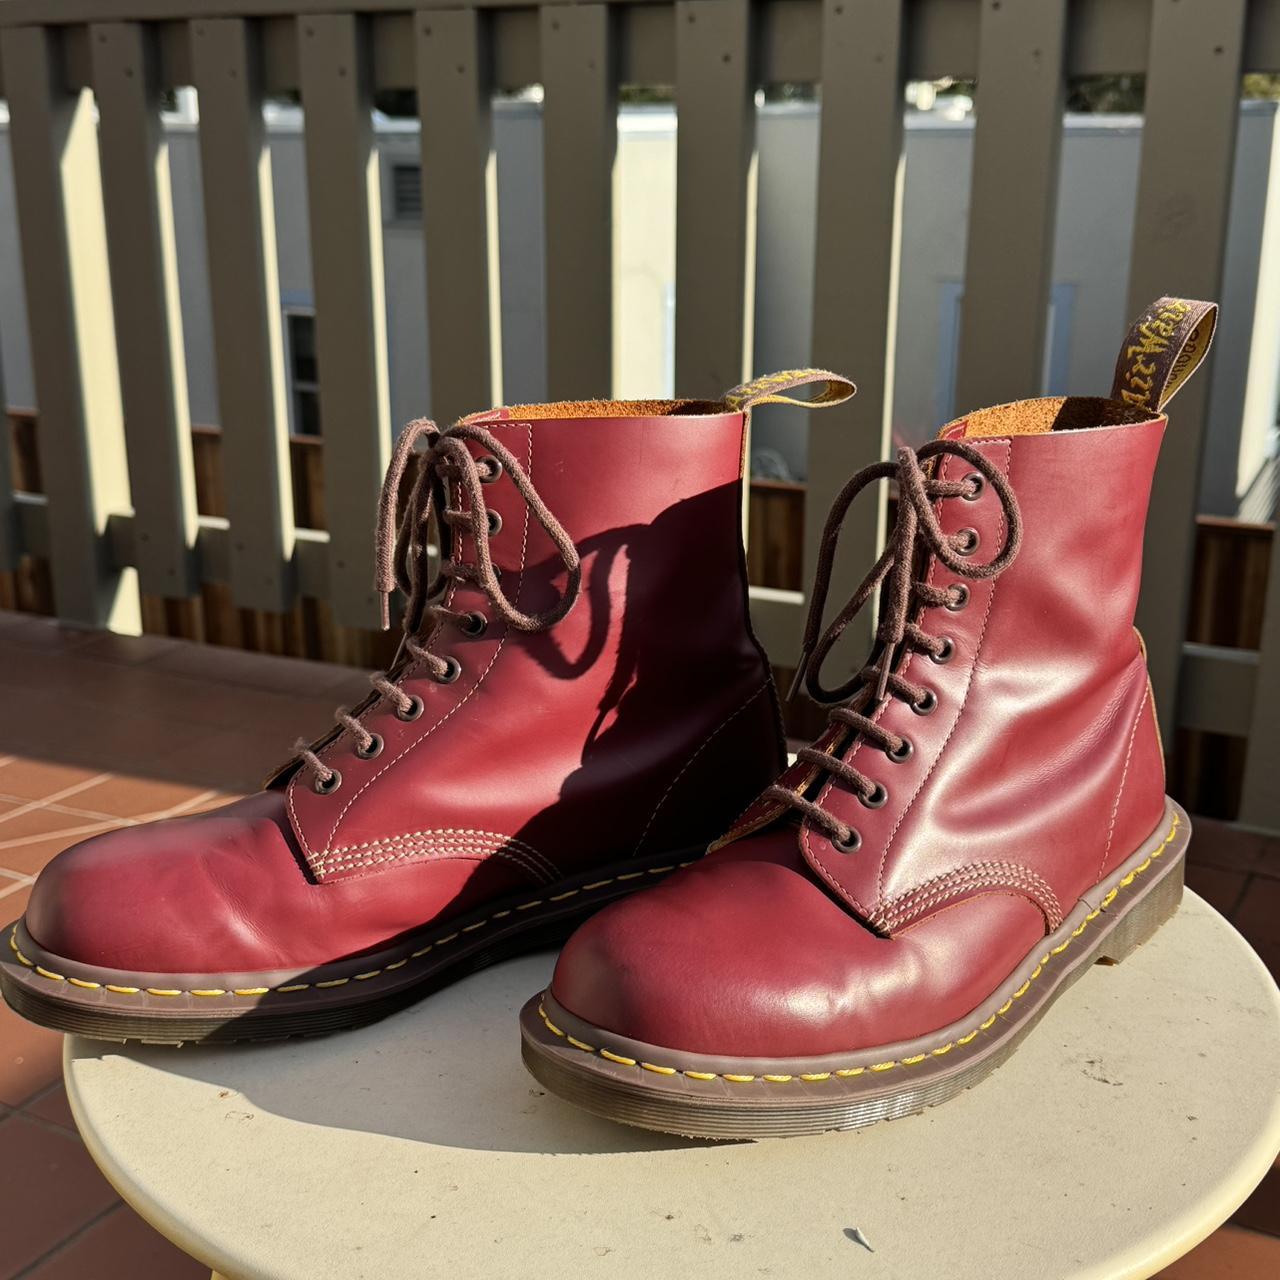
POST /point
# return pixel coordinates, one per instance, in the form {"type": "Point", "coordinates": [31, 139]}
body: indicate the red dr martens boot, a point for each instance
{"type": "Point", "coordinates": [983, 818]}
{"type": "Point", "coordinates": [578, 705]}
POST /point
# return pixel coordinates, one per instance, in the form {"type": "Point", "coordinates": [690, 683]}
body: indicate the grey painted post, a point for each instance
{"type": "Point", "coordinates": [73, 351]}
{"type": "Point", "coordinates": [1179, 238]}
{"type": "Point", "coordinates": [459, 218]}
{"type": "Point", "coordinates": [1016, 147]}
{"type": "Point", "coordinates": [344, 202]}
{"type": "Point", "coordinates": [245, 295]}
{"type": "Point", "coordinates": [144, 276]}
{"type": "Point", "coordinates": [579, 141]}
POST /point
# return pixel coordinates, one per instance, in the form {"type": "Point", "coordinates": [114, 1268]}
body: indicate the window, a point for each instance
{"type": "Point", "coordinates": [304, 381]}
{"type": "Point", "coordinates": [406, 191]}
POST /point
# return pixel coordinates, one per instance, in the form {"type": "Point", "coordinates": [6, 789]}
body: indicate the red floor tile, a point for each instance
{"type": "Point", "coordinates": [30, 837]}
{"type": "Point", "coordinates": [127, 797]}
{"type": "Point", "coordinates": [38, 779]}
{"type": "Point", "coordinates": [119, 1247]}
{"type": "Point", "coordinates": [49, 1188]}
{"type": "Point", "coordinates": [52, 1107]}
{"type": "Point", "coordinates": [30, 1056]}
{"type": "Point", "coordinates": [1231, 1253]}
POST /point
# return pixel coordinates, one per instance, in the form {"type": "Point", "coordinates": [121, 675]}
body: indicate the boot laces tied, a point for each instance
{"type": "Point", "coordinates": [916, 536]}
{"type": "Point", "coordinates": [444, 468]}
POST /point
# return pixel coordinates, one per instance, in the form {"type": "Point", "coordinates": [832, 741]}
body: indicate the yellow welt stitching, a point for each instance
{"type": "Point", "coordinates": [1128, 880]}
{"type": "Point", "coordinates": [1061, 947]}
{"type": "Point", "coordinates": [48, 973]}
{"type": "Point", "coordinates": [882, 1066]}
{"type": "Point", "coordinates": [213, 991]}
{"type": "Point", "coordinates": [707, 1075]}
{"type": "Point", "coordinates": [122, 991]}
{"type": "Point", "coordinates": [560, 897]}
{"type": "Point", "coordinates": [500, 915]}
{"type": "Point", "coordinates": [297, 986]}
{"type": "Point", "coordinates": [1139, 870]}
{"type": "Point", "coordinates": [551, 1026]}
{"type": "Point", "coordinates": [471, 928]}
{"type": "Point", "coordinates": [816, 1075]}
{"type": "Point", "coordinates": [163, 991]}
{"type": "Point", "coordinates": [262, 991]}
{"type": "Point", "coordinates": [986, 1026]}
{"type": "Point", "coordinates": [1109, 899]}
{"type": "Point", "coordinates": [966, 1039]}
{"type": "Point", "coordinates": [1004, 1008]}
{"type": "Point", "coordinates": [846, 1073]}
{"type": "Point", "coordinates": [581, 1044]}
{"type": "Point", "coordinates": [1075, 933]}
{"type": "Point", "coordinates": [662, 1071]}
{"type": "Point", "coordinates": [946, 1048]}
{"type": "Point", "coordinates": [659, 871]}
{"type": "Point", "coordinates": [418, 954]}
{"type": "Point", "coordinates": [735, 1079]}
{"type": "Point", "coordinates": [397, 964]}
{"type": "Point", "coordinates": [364, 977]}
{"type": "Point", "coordinates": [1036, 972]}
{"type": "Point", "coordinates": [617, 1057]}
{"type": "Point", "coordinates": [441, 941]}
{"type": "Point", "coordinates": [597, 884]}
{"type": "Point", "coordinates": [88, 986]}
{"type": "Point", "coordinates": [1022, 990]}
{"type": "Point", "coordinates": [334, 982]}
{"type": "Point", "coordinates": [772, 1079]}
{"type": "Point", "coordinates": [526, 906]}
{"type": "Point", "coordinates": [911, 1062]}
{"type": "Point", "coordinates": [31, 964]}
{"type": "Point", "coordinates": [630, 875]}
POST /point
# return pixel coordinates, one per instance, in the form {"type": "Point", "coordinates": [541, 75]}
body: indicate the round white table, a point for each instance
{"type": "Point", "coordinates": [1134, 1120]}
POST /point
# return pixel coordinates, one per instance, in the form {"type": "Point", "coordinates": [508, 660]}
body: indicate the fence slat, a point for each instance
{"type": "Point", "coordinates": [579, 140]}
{"type": "Point", "coordinates": [1260, 797]}
{"type": "Point", "coordinates": [715, 215]}
{"type": "Point", "coordinates": [855, 289]}
{"type": "Point", "coordinates": [1017, 142]}
{"type": "Point", "coordinates": [144, 275]}
{"type": "Point", "coordinates": [245, 295]}
{"type": "Point", "coordinates": [459, 214]}
{"type": "Point", "coordinates": [9, 532]}
{"type": "Point", "coordinates": [345, 207]}
{"type": "Point", "coordinates": [81, 433]}
{"type": "Point", "coordinates": [1179, 237]}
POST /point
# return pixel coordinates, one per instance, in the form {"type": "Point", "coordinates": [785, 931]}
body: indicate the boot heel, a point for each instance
{"type": "Point", "coordinates": [1144, 918]}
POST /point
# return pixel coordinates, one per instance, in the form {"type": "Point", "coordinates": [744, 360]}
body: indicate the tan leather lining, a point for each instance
{"type": "Point", "coordinates": [616, 409]}
{"type": "Point", "coordinates": [1048, 413]}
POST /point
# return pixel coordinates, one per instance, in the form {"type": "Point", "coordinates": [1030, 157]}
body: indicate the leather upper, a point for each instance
{"type": "Point", "coordinates": [642, 722]}
{"type": "Point", "coordinates": [1038, 770]}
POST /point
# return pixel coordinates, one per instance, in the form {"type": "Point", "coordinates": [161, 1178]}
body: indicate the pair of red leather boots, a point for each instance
{"type": "Point", "coordinates": [579, 708]}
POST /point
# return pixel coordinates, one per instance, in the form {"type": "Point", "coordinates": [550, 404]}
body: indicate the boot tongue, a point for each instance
{"type": "Point", "coordinates": [1165, 345]}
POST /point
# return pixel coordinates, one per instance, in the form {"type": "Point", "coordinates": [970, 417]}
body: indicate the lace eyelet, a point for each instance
{"type": "Point", "coordinates": [475, 624]}
{"type": "Point", "coordinates": [979, 482]}
{"type": "Point", "coordinates": [959, 599]}
{"type": "Point", "coordinates": [973, 540]}
{"type": "Point", "coordinates": [373, 749]}
{"type": "Point", "coordinates": [852, 845]}
{"type": "Point", "coordinates": [452, 670]}
{"type": "Point", "coordinates": [926, 705]}
{"type": "Point", "coordinates": [495, 522]}
{"type": "Point", "coordinates": [493, 469]}
{"type": "Point", "coordinates": [877, 798]}
{"type": "Point", "coordinates": [946, 653]}
{"type": "Point", "coordinates": [412, 711]}
{"type": "Point", "coordinates": [323, 788]}
{"type": "Point", "coordinates": [902, 753]}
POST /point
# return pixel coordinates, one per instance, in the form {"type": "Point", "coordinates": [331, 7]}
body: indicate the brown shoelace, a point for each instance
{"type": "Point", "coordinates": [445, 467]}
{"type": "Point", "coordinates": [916, 530]}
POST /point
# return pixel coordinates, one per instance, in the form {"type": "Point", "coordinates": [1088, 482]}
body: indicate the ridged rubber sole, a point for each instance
{"type": "Point", "coordinates": [168, 1008]}
{"type": "Point", "coordinates": [697, 1095]}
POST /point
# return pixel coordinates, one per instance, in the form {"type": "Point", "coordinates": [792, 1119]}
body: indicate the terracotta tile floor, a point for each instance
{"type": "Point", "coordinates": [101, 731]}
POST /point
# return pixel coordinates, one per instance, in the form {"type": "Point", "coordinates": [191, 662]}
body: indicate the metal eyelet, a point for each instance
{"type": "Point", "coordinates": [492, 470]}
{"type": "Point", "coordinates": [474, 624]}
{"type": "Point", "coordinates": [323, 788]}
{"type": "Point", "coordinates": [972, 543]}
{"type": "Point", "coordinates": [373, 749]}
{"type": "Point", "coordinates": [979, 482]}
{"type": "Point", "coordinates": [452, 670]}
{"type": "Point", "coordinates": [924, 706]}
{"type": "Point", "coordinates": [959, 599]}
{"type": "Point", "coordinates": [852, 845]}
{"type": "Point", "coordinates": [412, 711]}
{"type": "Point", "coordinates": [877, 797]}
{"type": "Point", "coordinates": [495, 522]}
{"type": "Point", "coordinates": [946, 653]}
{"type": "Point", "coordinates": [902, 753]}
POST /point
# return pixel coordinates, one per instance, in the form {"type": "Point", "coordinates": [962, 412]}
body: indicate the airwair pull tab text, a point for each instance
{"type": "Point", "coordinates": [769, 389]}
{"type": "Point", "coordinates": [1162, 349]}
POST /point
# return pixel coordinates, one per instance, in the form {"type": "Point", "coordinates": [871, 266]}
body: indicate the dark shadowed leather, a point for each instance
{"type": "Point", "coordinates": [1042, 752]}
{"type": "Point", "coordinates": [642, 722]}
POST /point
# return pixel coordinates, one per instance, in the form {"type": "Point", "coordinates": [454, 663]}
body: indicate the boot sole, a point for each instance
{"type": "Point", "coordinates": [159, 1008]}
{"type": "Point", "coordinates": [697, 1095]}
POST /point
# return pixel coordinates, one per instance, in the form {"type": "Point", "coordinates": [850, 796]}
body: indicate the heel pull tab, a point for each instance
{"type": "Point", "coordinates": [769, 388]}
{"type": "Point", "coordinates": [1162, 349]}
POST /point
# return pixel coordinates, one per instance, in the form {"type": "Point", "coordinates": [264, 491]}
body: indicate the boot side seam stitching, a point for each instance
{"type": "Point", "coordinates": [936, 1051]}
{"type": "Point", "coordinates": [915, 903]}
{"type": "Point", "coordinates": [689, 762]}
{"type": "Point", "coordinates": [400, 850]}
{"type": "Point", "coordinates": [1124, 778]}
